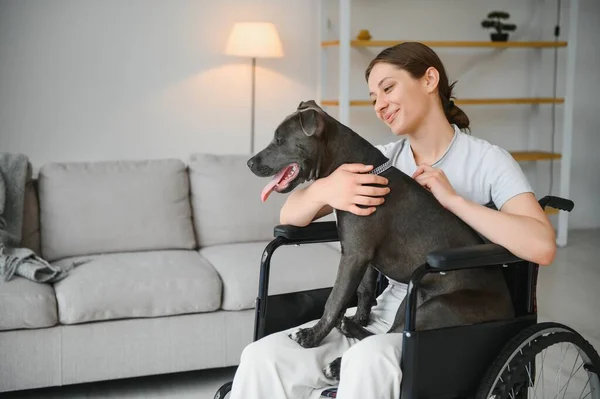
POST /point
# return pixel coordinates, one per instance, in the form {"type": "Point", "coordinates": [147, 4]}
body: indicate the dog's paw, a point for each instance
{"type": "Point", "coordinates": [332, 370]}
{"type": "Point", "coordinates": [306, 337]}
{"type": "Point", "coordinates": [360, 319]}
{"type": "Point", "coordinates": [351, 329]}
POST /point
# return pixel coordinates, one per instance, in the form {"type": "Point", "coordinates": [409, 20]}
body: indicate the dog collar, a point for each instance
{"type": "Point", "coordinates": [382, 168]}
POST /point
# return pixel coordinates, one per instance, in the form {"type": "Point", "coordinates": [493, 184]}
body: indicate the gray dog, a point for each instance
{"type": "Point", "coordinates": [310, 144]}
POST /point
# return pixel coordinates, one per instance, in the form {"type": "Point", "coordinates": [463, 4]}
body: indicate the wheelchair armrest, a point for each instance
{"type": "Point", "coordinates": [314, 232]}
{"type": "Point", "coordinates": [471, 256]}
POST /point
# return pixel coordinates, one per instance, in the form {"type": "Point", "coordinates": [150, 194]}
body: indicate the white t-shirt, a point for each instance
{"type": "Point", "coordinates": [477, 170]}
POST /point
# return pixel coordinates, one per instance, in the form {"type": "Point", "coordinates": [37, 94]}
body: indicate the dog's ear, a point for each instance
{"type": "Point", "coordinates": [311, 122]}
{"type": "Point", "coordinates": [308, 104]}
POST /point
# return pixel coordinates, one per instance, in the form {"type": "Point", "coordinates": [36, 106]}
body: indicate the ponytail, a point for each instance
{"type": "Point", "coordinates": [453, 113]}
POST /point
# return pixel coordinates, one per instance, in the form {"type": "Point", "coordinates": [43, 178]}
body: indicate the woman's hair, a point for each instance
{"type": "Point", "coordinates": [416, 58]}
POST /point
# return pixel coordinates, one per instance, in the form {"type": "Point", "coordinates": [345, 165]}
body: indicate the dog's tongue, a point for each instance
{"type": "Point", "coordinates": [272, 184]}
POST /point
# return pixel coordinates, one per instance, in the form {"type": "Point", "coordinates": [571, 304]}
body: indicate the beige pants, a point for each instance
{"type": "Point", "coordinates": [277, 367]}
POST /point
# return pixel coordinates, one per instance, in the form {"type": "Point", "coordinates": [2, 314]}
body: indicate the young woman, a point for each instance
{"type": "Point", "coordinates": [412, 96]}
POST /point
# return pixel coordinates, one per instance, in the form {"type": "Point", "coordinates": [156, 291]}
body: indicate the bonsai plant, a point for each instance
{"type": "Point", "coordinates": [495, 21]}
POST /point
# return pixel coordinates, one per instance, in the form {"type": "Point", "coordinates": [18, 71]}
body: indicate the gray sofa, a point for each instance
{"type": "Point", "coordinates": [169, 254]}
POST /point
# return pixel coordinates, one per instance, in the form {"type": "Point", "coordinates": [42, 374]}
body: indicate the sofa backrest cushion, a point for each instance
{"type": "Point", "coordinates": [226, 201]}
{"type": "Point", "coordinates": [30, 233]}
{"type": "Point", "coordinates": [114, 206]}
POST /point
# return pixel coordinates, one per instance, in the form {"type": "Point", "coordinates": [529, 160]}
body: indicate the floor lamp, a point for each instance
{"type": "Point", "coordinates": [254, 40]}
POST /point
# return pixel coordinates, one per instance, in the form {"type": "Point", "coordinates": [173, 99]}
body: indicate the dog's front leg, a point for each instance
{"type": "Point", "coordinates": [366, 297]}
{"type": "Point", "coordinates": [352, 327]}
{"type": "Point", "coordinates": [350, 272]}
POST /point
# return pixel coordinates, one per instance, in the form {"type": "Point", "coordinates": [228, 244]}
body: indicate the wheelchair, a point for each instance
{"type": "Point", "coordinates": [497, 359]}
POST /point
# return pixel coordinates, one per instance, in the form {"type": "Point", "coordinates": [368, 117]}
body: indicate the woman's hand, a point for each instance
{"type": "Point", "coordinates": [345, 189]}
{"type": "Point", "coordinates": [435, 180]}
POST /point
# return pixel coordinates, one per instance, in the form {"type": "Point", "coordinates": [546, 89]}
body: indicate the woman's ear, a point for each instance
{"type": "Point", "coordinates": [431, 79]}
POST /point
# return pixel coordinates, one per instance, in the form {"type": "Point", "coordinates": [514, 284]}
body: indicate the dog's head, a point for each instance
{"type": "Point", "coordinates": [295, 153]}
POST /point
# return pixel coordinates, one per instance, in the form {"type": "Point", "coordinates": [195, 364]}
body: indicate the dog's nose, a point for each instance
{"type": "Point", "coordinates": [251, 163]}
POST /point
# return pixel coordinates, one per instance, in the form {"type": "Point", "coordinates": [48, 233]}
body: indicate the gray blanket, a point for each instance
{"type": "Point", "coordinates": [15, 171]}
{"type": "Point", "coordinates": [25, 263]}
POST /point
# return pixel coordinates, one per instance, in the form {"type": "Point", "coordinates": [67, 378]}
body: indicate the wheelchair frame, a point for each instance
{"type": "Point", "coordinates": [426, 354]}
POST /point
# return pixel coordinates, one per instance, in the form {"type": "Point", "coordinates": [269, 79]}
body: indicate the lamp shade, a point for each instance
{"type": "Point", "coordinates": [254, 39]}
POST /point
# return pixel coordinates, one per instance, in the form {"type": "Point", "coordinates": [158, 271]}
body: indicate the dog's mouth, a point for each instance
{"type": "Point", "coordinates": [281, 180]}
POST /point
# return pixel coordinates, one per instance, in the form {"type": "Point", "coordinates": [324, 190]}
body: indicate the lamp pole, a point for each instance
{"type": "Point", "coordinates": [253, 105]}
{"type": "Point", "coordinates": [254, 40]}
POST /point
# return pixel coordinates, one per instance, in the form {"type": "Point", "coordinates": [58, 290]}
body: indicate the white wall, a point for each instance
{"type": "Point", "coordinates": [96, 80]}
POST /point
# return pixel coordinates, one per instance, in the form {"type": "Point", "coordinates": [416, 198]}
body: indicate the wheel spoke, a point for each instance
{"type": "Point", "coordinates": [566, 386]}
{"type": "Point", "coordinates": [541, 374]}
{"type": "Point", "coordinates": [528, 370]}
{"type": "Point", "coordinates": [585, 386]}
{"type": "Point", "coordinates": [557, 378]}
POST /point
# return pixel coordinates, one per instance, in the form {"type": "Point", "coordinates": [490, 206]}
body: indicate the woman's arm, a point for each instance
{"type": "Point", "coordinates": [303, 206]}
{"type": "Point", "coordinates": [344, 189]}
{"type": "Point", "coordinates": [521, 226]}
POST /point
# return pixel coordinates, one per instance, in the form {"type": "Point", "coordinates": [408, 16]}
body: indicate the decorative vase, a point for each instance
{"type": "Point", "coordinates": [364, 34]}
{"type": "Point", "coordinates": [499, 37]}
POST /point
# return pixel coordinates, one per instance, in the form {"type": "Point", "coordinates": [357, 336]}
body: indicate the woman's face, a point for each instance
{"type": "Point", "coordinates": [400, 101]}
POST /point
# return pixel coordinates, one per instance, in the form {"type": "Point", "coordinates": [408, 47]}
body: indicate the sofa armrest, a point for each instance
{"type": "Point", "coordinates": [314, 232]}
{"type": "Point", "coordinates": [471, 256]}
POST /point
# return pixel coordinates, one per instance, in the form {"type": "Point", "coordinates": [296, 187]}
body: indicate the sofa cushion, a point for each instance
{"type": "Point", "coordinates": [293, 268]}
{"type": "Point", "coordinates": [137, 284]}
{"type": "Point", "coordinates": [115, 206]}
{"type": "Point", "coordinates": [26, 304]}
{"type": "Point", "coordinates": [30, 233]}
{"type": "Point", "coordinates": [223, 185]}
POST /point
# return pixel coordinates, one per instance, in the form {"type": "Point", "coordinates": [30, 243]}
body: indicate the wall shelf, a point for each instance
{"type": "Point", "coordinates": [484, 44]}
{"type": "Point", "coordinates": [465, 101]}
{"type": "Point", "coordinates": [523, 156]}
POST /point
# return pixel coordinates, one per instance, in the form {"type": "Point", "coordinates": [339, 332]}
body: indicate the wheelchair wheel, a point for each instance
{"type": "Point", "coordinates": [547, 360]}
{"type": "Point", "coordinates": [223, 391]}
